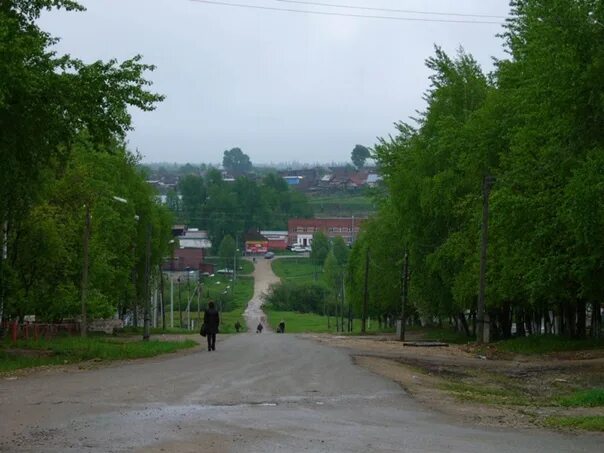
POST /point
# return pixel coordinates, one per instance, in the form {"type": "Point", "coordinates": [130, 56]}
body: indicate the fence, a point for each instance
{"type": "Point", "coordinates": [35, 331]}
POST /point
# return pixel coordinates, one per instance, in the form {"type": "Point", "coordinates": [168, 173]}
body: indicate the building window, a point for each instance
{"type": "Point", "coordinates": [300, 230]}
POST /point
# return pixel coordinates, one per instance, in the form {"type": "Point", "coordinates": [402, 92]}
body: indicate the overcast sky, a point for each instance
{"type": "Point", "coordinates": [283, 86]}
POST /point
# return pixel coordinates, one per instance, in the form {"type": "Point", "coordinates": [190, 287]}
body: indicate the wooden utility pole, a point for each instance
{"type": "Point", "coordinates": [147, 292]}
{"type": "Point", "coordinates": [487, 183]}
{"type": "Point", "coordinates": [161, 294]}
{"type": "Point", "coordinates": [404, 293]}
{"type": "Point", "coordinates": [366, 294]}
{"type": "Point", "coordinates": [85, 253]}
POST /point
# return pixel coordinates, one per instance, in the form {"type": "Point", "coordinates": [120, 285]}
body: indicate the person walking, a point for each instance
{"type": "Point", "coordinates": [211, 320]}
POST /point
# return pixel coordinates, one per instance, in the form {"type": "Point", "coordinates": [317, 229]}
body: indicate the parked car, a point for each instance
{"type": "Point", "coordinates": [269, 255]}
{"type": "Point", "coordinates": [298, 248]}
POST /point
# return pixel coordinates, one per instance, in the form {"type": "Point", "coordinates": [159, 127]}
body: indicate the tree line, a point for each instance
{"type": "Point", "coordinates": [534, 127]}
{"type": "Point", "coordinates": [81, 231]}
{"type": "Point", "coordinates": [230, 208]}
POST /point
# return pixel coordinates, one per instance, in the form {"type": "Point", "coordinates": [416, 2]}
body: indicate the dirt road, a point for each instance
{"type": "Point", "coordinates": [263, 278]}
{"type": "Point", "coordinates": [256, 393]}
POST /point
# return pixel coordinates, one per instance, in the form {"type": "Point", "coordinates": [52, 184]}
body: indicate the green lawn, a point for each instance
{"type": "Point", "coordinates": [63, 350]}
{"type": "Point", "coordinates": [313, 323]}
{"type": "Point", "coordinates": [298, 270]}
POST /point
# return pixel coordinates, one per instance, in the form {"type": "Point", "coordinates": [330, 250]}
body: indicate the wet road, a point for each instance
{"type": "Point", "coordinates": [256, 393]}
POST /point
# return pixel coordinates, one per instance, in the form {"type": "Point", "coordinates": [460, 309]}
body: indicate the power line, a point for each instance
{"type": "Point", "coordinates": [326, 13]}
{"type": "Point", "coordinates": [391, 10]}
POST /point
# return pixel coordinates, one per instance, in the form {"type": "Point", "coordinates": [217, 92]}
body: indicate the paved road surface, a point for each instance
{"type": "Point", "coordinates": [256, 393]}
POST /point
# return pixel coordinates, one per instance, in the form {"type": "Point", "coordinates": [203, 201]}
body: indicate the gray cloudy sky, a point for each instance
{"type": "Point", "coordinates": [282, 86]}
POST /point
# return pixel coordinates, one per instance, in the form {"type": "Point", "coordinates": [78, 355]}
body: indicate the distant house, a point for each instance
{"type": "Point", "coordinates": [301, 231]}
{"type": "Point", "coordinates": [194, 238]}
{"type": "Point", "coordinates": [189, 254]}
{"type": "Point", "coordinates": [277, 240]}
{"type": "Point", "coordinates": [293, 180]}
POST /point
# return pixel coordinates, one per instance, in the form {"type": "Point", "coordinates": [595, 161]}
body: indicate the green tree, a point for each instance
{"type": "Point", "coordinates": [359, 155]}
{"type": "Point", "coordinates": [227, 251]}
{"type": "Point", "coordinates": [320, 247]}
{"type": "Point", "coordinates": [236, 162]}
{"type": "Point", "coordinates": [47, 103]}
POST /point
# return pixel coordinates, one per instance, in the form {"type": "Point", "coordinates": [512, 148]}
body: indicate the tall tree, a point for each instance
{"type": "Point", "coordinates": [359, 155]}
{"type": "Point", "coordinates": [236, 162]}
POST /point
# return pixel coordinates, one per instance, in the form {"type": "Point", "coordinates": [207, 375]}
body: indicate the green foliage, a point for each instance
{"type": "Point", "coordinates": [62, 128]}
{"type": "Point", "coordinates": [302, 298]}
{"type": "Point", "coordinates": [236, 162]}
{"type": "Point", "coordinates": [227, 252]}
{"type": "Point", "coordinates": [232, 208]}
{"type": "Point", "coordinates": [359, 155]}
{"type": "Point", "coordinates": [320, 247]}
{"type": "Point", "coordinates": [536, 124]}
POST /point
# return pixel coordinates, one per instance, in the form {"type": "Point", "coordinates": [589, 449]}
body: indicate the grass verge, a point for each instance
{"type": "Point", "coordinates": [64, 350]}
{"type": "Point", "coordinates": [584, 398]}
{"type": "Point", "coordinates": [586, 422]}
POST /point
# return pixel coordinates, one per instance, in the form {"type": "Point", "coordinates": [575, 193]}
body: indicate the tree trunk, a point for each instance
{"type": "Point", "coordinates": [506, 322]}
{"type": "Point", "coordinates": [581, 317]}
{"type": "Point", "coordinates": [464, 323]}
{"type": "Point", "coordinates": [520, 332]}
{"type": "Point", "coordinates": [596, 320]}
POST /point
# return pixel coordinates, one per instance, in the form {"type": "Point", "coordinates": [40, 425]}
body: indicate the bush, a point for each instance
{"type": "Point", "coordinates": [298, 297]}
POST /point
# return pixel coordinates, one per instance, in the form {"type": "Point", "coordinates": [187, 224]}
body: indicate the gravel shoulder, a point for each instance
{"type": "Point", "coordinates": [518, 392]}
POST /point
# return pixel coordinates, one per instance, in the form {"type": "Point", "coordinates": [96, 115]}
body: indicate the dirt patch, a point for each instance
{"type": "Point", "coordinates": [516, 391]}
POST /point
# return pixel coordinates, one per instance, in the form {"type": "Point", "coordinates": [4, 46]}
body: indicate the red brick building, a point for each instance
{"type": "Point", "coordinates": [301, 231]}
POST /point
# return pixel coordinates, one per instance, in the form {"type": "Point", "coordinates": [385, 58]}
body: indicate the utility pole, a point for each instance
{"type": "Point", "coordinates": [147, 318]}
{"type": "Point", "coordinates": [161, 293]}
{"type": "Point", "coordinates": [487, 183]}
{"type": "Point", "coordinates": [342, 303]}
{"type": "Point", "coordinates": [179, 303]}
{"type": "Point", "coordinates": [404, 293]}
{"type": "Point", "coordinates": [366, 294]}
{"type": "Point", "coordinates": [85, 253]}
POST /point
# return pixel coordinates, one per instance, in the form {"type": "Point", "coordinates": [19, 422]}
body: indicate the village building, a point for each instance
{"type": "Point", "coordinates": [301, 231]}
{"type": "Point", "coordinates": [255, 243]}
{"type": "Point", "coordinates": [277, 240]}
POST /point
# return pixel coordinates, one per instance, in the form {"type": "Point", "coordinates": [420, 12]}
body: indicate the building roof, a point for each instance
{"type": "Point", "coordinates": [253, 235]}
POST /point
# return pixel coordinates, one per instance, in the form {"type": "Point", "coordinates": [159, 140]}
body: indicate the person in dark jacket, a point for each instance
{"type": "Point", "coordinates": [211, 319]}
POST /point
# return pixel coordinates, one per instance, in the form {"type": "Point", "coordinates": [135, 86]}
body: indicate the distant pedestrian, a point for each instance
{"type": "Point", "coordinates": [259, 328]}
{"type": "Point", "coordinates": [237, 326]}
{"type": "Point", "coordinates": [281, 328]}
{"type": "Point", "coordinates": [211, 321]}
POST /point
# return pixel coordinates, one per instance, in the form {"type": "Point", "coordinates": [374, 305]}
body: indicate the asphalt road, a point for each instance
{"type": "Point", "coordinates": [257, 393]}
